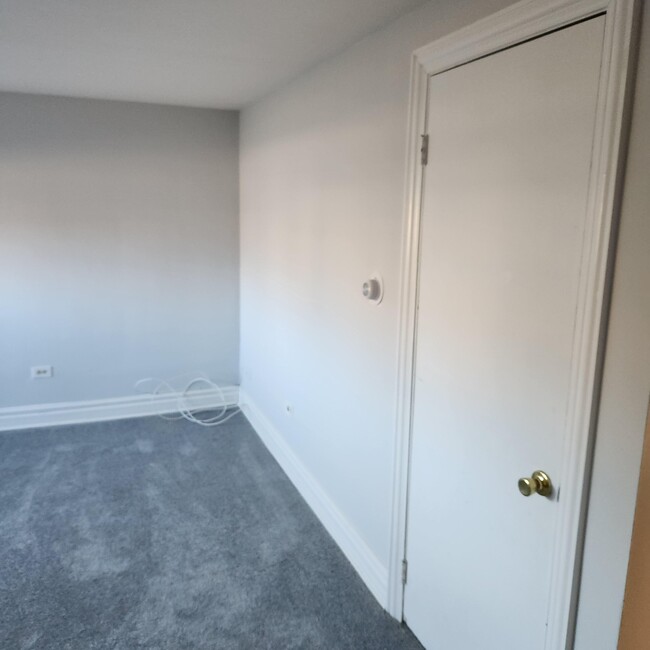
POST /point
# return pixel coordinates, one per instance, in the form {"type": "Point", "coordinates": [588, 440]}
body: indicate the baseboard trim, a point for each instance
{"type": "Point", "coordinates": [115, 408]}
{"type": "Point", "coordinates": [364, 561]}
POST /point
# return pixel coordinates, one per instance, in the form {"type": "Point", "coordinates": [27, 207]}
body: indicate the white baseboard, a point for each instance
{"type": "Point", "coordinates": [115, 408]}
{"type": "Point", "coordinates": [365, 562]}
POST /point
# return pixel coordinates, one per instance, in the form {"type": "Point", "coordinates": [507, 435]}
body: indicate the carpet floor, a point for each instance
{"type": "Point", "coordinates": [147, 533]}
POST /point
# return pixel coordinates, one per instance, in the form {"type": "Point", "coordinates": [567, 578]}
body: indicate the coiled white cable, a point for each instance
{"type": "Point", "coordinates": [185, 410]}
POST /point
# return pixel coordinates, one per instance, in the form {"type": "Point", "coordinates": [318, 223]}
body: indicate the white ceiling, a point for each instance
{"type": "Point", "coordinates": [213, 53]}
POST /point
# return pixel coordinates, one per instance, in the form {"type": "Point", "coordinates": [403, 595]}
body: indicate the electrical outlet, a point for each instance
{"type": "Point", "coordinates": [41, 372]}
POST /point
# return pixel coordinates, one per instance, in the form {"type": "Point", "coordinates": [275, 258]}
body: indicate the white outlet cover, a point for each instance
{"type": "Point", "coordinates": [41, 372]}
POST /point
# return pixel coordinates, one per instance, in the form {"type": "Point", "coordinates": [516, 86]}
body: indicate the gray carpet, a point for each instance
{"type": "Point", "coordinates": [146, 533]}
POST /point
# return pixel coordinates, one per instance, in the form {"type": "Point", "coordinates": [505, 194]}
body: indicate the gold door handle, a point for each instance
{"type": "Point", "coordinates": [538, 483]}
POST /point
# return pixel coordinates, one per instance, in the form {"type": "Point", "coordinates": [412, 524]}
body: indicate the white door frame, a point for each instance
{"type": "Point", "coordinates": [515, 24]}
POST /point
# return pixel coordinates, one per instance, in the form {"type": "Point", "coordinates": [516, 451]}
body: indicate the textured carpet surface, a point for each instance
{"type": "Point", "coordinates": [146, 533]}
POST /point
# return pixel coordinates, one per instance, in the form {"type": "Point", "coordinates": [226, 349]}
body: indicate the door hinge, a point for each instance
{"type": "Point", "coordinates": [405, 569]}
{"type": "Point", "coordinates": [424, 150]}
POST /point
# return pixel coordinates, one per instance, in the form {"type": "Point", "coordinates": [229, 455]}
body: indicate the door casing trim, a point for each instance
{"type": "Point", "coordinates": [511, 26]}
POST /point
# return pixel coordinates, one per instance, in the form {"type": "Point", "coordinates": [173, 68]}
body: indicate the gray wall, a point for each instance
{"type": "Point", "coordinates": [118, 246]}
{"type": "Point", "coordinates": [322, 186]}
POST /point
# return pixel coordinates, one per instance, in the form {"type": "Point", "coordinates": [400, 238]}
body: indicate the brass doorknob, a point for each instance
{"type": "Point", "coordinates": [538, 483]}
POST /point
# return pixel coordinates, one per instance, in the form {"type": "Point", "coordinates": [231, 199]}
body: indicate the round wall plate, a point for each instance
{"type": "Point", "coordinates": [373, 288]}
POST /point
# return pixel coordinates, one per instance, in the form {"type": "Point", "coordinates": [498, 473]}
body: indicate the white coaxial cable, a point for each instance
{"type": "Point", "coordinates": [185, 411]}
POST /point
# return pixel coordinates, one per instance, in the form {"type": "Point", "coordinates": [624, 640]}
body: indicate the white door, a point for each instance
{"type": "Point", "coordinates": [503, 224]}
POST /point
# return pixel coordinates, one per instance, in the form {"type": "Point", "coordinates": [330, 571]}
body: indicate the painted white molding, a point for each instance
{"type": "Point", "coordinates": [406, 336]}
{"type": "Point", "coordinates": [364, 561]}
{"type": "Point", "coordinates": [513, 25]}
{"type": "Point", "coordinates": [116, 408]}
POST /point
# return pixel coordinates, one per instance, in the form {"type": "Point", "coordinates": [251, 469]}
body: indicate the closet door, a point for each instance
{"type": "Point", "coordinates": [503, 228]}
